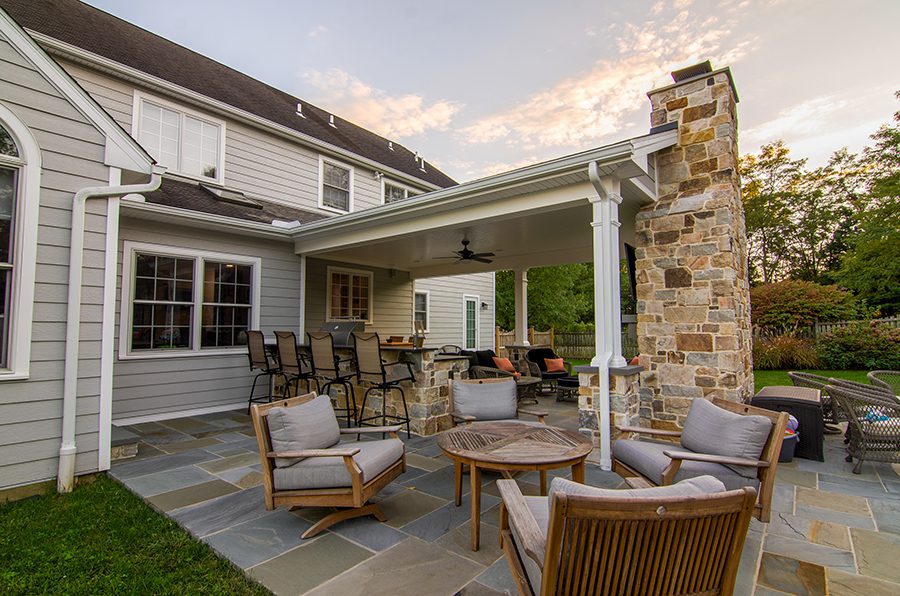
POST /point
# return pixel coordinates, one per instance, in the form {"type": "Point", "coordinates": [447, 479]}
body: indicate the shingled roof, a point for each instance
{"type": "Point", "coordinates": [101, 33]}
{"type": "Point", "coordinates": [193, 196]}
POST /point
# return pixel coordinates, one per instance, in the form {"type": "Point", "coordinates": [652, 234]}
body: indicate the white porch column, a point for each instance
{"type": "Point", "coordinates": [301, 322]}
{"type": "Point", "coordinates": [521, 297]}
{"type": "Point", "coordinates": [615, 281]}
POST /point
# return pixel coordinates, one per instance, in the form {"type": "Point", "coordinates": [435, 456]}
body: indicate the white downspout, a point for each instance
{"type": "Point", "coordinates": [67, 450]}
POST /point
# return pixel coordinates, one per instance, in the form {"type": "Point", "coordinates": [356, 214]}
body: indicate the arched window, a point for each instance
{"type": "Point", "coordinates": [10, 164]}
{"type": "Point", "coordinates": [20, 183]}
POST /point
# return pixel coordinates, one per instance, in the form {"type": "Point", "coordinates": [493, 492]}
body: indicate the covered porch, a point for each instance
{"type": "Point", "coordinates": [580, 208]}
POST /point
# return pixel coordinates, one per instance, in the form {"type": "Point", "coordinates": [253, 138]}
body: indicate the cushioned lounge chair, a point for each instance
{"type": "Point", "coordinates": [736, 443]}
{"type": "Point", "coordinates": [873, 432]}
{"type": "Point", "coordinates": [680, 539]}
{"type": "Point", "coordinates": [305, 464]}
{"type": "Point", "coordinates": [538, 357]}
{"type": "Point", "coordinates": [886, 379]}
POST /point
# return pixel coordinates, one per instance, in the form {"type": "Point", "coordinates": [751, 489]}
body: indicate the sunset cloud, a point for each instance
{"type": "Point", "coordinates": [580, 109]}
{"type": "Point", "coordinates": [390, 115]}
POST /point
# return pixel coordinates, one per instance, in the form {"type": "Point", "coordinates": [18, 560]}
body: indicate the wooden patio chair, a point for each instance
{"type": "Point", "coordinates": [304, 464]}
{"type": "Point", "coordinates": [680, 539]}
{"type": "Point", "coordinates": [873, 432]}
{"type": "Point", "coordinates": [886, 379]}
{"type": "Point", "coordinates": [736, 443]}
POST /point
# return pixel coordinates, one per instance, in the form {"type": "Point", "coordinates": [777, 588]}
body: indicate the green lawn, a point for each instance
{"type": "Point", "coordinates": [765, 378]}
{"type": "Point", "coordinates": [102, 539]}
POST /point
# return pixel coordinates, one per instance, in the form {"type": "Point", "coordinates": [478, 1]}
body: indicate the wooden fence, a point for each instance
{"type": "Point", "coordinates": [813, 331]}
{"type": "Point", "coordinates": [574, 344]}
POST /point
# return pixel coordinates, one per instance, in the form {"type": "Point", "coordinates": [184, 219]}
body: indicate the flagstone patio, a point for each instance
{"type": "Point", "coordinates": [834, 532]}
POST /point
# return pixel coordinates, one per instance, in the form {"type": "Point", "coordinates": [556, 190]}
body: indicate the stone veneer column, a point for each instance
{"type": "Point", "coordinates": [692, 279]}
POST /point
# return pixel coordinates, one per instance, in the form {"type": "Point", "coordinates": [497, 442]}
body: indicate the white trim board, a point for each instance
{"type": "Point", "coordinates": [178, 414]}
{"type": "Point", "coordinates": [122, 151]}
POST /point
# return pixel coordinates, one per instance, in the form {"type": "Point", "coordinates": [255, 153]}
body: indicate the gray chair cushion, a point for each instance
{"type": "Point", "coordinates": [485, 401]}
{"type": "Point", "coordinates": [311, 425]}
{"type": "Point", "coordinates": [331, 472]}
{"type": "Point", "coordinates": [691, 487]}
{"type": "Point", "coordinates": [711, 429]}
{"type": "Point", "coordinates": [647, 458]}
{"type": "Point", "coordinates": [541, 513]}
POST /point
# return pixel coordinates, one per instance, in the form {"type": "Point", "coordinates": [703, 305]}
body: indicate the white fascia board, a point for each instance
{"type": "Point", "coordinates": [207, 221]}
{"type": "Point", "coordinates": [121, 150]}
{"type": "Point", "coordinates": [477, 189]}
{"type": "Point", "coordinates": [134, 75]}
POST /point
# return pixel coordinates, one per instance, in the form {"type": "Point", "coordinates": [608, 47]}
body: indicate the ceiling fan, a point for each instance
{"type": "Point", "coordinates": [468, 255]}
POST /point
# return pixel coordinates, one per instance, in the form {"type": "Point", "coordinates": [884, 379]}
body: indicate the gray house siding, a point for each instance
{"type": "Point", "coordinates": [72, 153]}
{"type": "Point", "coordinates": [446, 307]}
{"type": "Point", "coordinates": [163, 386]}
{"type": "Point", "coordinates": [257, 163]}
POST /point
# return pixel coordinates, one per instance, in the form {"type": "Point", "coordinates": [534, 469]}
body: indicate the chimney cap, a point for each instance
{"type": "Point", "coordinates": [697, 72]}
{"type": "Point", "coordinates": [689, 72]}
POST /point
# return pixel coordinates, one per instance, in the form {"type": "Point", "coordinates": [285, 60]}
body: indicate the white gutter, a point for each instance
{"type": "Point", "coordinates": [67, 449]}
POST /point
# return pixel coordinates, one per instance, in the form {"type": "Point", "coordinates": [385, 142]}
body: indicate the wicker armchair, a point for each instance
{"type": "Point", "coordinates": [887, 379]}
{"type": "Point", "coordinates": [831, 412]}
{"type": "Point", "coordinates": [874, 429]}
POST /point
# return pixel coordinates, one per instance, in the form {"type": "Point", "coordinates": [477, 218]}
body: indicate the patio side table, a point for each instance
{"type": "Point", "coordinates": [804, 404]}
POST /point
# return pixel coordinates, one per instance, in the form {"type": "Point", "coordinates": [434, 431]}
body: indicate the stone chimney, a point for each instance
{"type": "Point", "coordinates": [692, 278]}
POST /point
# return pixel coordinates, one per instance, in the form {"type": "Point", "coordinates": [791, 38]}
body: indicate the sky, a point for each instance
{"type": "Point", "coordinates": [484, 86]}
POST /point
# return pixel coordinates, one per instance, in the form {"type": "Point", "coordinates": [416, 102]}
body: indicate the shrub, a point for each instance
{"type": "Point", "coordinates": [792, 304]}
{"type": "Point", "coordinates": [860, 346]}
{"type": "Point", "coordinates": [784, 352]}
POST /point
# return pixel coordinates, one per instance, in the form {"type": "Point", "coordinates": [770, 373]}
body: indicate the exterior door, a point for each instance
{"type": "Point", "coordinates": [470, 322]}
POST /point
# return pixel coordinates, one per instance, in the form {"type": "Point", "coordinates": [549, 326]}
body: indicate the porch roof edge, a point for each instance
{"type": "Point", "coordinates": [619, 151]}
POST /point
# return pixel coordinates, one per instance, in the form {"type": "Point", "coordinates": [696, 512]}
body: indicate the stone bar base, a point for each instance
{"type": "Point", "coordinates": [624, 402]}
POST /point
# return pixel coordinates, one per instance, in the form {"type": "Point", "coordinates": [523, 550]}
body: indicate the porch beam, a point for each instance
{"type": "Point", "coordinates": [521, 297]}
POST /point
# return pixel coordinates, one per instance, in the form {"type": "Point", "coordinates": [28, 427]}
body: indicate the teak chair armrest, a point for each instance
{"type": "Point", "coordinates": [716, 459]}
{"type": "Point", "coordinates": [462, 417]}
{"type": "Point", "coordinates": [533, 540]}
{"type": "Point", "coordinates": [538, 414]}
{"type": "Point", "coordinates": [367, 430]}
{"type": "Point", "coordinates": [348, 452]}
{"type": "Point", "coordinates": [668, 474]}
{"type": "Point", "coordinates": [639, 430]}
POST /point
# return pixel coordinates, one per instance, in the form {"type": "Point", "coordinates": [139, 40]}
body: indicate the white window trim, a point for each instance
{"type": "Point", "coordinates": [126, 311]}
{"type": "Point", "coordinates": [410, 191]}
{"type": "Point", "coordinates": [322, 161]}
{"type": "Point", "coordinates": [24, 261]}
{"type": "Point", "coordinates": [328, 271]}
{"type": "Point", "coordinates": [140, 97]}
{"type": "Point", "coordinates": [477, 299]}
{"type": "Point", "coordinates": [427, 309]}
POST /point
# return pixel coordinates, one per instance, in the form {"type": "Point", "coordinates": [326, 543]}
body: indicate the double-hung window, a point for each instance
{"type": "Point", "coordinates": [183, 141]}
{"type": "Point", "coordinates": [349, 295]}
{"type": "Point", "coordinates": [184, 301]}
{"type": "Point", "coordinates": [335, 186]}
{"type": "Point", "coordinates": [420, 309]}
{"type": "Point", "coordinates": [392, 192]}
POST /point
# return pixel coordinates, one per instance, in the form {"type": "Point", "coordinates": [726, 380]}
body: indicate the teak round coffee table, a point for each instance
{"type": "Point", "coordinates": [508, 447]}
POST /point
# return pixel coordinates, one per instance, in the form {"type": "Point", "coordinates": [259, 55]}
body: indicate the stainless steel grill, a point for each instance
{"type": "Point", "coordinates": [341, 330]}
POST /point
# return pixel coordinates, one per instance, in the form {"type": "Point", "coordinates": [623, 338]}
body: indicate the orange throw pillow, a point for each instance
{"type": "Point", "coordinates": [635, 361]}
{"type": "Point", "coordinates": [555, 364]}
{"type": "Point", "coordinates": [504, 364]}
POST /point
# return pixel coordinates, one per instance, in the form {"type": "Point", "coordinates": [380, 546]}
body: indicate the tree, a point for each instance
{"type": "Point", "coordinates": [872, 268]}
{"type": "Point", "coordinates": [553, 297]}
{"type": "Point", "coordinates": [771, 183]}
{"type": "Point", "coordinates": [792, 304]}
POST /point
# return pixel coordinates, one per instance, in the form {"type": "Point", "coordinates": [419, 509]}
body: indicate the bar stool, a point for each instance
{"type": "Point", "coordinates": [294, 366]}
{"type": "Point", "coordinates": [326, 366]}
{"type": "Point", "coordinates": [371, 369]}
{"type": "Point", "coordinates": [259, 360]}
